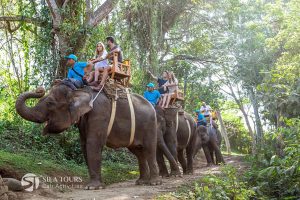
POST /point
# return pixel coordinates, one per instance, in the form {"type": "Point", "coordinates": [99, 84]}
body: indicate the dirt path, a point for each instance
{"type": "Point", "coordinates": [128, 189]}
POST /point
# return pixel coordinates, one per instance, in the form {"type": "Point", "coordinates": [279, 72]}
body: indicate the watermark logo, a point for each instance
{"type": "Point", "coordinates": [30, 182]}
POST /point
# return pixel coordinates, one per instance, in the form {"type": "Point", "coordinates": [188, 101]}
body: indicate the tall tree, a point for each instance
{"type": "Point", "coordinates": [71, 20]}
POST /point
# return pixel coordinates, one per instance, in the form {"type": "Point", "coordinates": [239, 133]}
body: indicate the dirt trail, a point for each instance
{"type": "Point", "coordinates": [128, 189]}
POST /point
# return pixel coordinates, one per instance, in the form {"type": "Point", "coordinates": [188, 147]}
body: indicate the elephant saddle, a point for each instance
{"type": "Point", "coordinates": [115, 91]}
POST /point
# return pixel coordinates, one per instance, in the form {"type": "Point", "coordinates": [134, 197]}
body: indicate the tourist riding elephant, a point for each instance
{"type": "Point", "coordinates": [212, 146]}
{"type": "Point", "coordinates": [167, 140]}
{"type": "Point", "coordinates": [63, 107]}
{"type": "Point", "coordinates": [189, 140]}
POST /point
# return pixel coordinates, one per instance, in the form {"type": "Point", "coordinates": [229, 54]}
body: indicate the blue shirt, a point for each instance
{"type": "Point", "coordinates": [201, 120]}
{"type": "Point", "coordinates": [78, 67]}
{"type": "Point", "coordinates": [152, 96]}
{"type": "Point", "coordinates": [201, 117]}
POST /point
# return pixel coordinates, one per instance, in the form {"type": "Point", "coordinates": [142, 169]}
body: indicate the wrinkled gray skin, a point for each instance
{"type": "Point", "coordinates": [62, 108]}
{"type": "Point", "coordinates": [211, 148]}
{"type": "Point", "coordinates": [167, 141]}
{"type": "Point", "coordinates": [191, 141]}
{"type": "Point", "coordinates": [15, 185]}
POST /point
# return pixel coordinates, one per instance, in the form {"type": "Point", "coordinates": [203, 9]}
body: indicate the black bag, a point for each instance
{"type": "Point", "coordinates": [83, 80]}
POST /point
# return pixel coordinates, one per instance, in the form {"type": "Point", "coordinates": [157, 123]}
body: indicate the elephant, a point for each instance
{"type": "Point", "coordinates": [63, 107]}
{"type": "Point", "coordinates": [189, 140]}
{"type": "Point", "coordinates": [167, 140]}
{"type": "Point", "coordinates": [212, 146]}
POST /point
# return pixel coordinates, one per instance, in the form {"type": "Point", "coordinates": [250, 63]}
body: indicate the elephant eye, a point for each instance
{"type": "Point", "coordinates": [51, 104]}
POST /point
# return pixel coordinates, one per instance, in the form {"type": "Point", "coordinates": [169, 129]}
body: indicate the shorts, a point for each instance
{"type": "Point", "coordinates": [102, 64]}
{"type": "Point", "coordinates": [73, 83]}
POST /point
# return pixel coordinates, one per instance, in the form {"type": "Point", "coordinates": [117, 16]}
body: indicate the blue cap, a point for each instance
{"type": "Point", "coordinates": [197, 111]}
{"type": "Point", "coordinates": [151, 85]}
{"type": "Point", "coordinates": [71, 56]}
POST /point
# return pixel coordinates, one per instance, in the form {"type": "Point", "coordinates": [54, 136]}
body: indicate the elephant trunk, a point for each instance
{"type": "Point", "coordinates": [34, 114]}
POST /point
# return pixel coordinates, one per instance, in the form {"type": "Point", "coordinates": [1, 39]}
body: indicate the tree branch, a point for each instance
{"type": "Point", "coordinates": [19, 18]}
{"type": "Point", "coordinates": [56, 17]}
{"type": "Point", "coordinates": [89, 11]}
{"type": "Point", "coordinates": [65, 4]}
{"type": "Point", "coordinates": [191, 58]}
{"type": "Point", "coordinates": [102, 11]}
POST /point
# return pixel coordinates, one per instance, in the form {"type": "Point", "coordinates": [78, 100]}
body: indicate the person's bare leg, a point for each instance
{"type": "Point", "coordinates": [91, 77]}
{"type": "Point", "coordinates": [97, 72]}
{"type": "Point", "coordinates": [161, 100]}
{"type": "Point", "coordinates": [104, 76]}
{"type": "Point", "coordinates": [164, 100]}
{"type": "Point", "coordinates": [168, 100]}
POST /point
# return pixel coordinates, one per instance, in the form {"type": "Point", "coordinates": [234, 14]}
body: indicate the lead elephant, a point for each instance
{"type": "Point", "coordinates": [212, 146]}
{"type": "Point", "coordinates": [189, 140]}
{"type": "Point", "coordinates": [167, 140]}
{"type": "Point", "coordinates": [63, 107]}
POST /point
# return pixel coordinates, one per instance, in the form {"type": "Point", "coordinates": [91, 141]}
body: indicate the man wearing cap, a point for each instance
{"type": "Point", "coordinates": [201, 120]}
{"type": "Point", "coordinates": [151, 95]}
{"type": "Point", "coordinates": [76, 71]}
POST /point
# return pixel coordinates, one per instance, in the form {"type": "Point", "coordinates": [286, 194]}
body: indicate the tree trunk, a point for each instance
{"type": "Point", "coordinates": [241, 107]}
{"type": "Point", "coordinates": [184, 88]}
{"type": "Point", "coordinates": [258, 126]}
{"type": "Point", "coordinates": [65, 48]}
{"type": "Point", "coordinates": [224, 133]}
{"type": "Point", "coordinates": [279, 140]}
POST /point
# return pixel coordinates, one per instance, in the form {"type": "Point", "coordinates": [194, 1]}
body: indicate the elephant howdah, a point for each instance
{"type": "Point", "coordinates": [63, 107]}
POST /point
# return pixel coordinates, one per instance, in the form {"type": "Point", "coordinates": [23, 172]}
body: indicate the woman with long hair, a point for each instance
{"type": "Point", "coordinates": [172, 85]}
{"type": "Point", "coordinates": [100, 62]}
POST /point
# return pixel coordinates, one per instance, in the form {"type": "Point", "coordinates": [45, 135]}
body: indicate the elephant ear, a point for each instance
{"type": "Point", "coordinates": [80, 104]}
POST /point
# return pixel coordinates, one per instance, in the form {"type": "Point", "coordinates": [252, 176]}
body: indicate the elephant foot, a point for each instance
{"type": "Point", "coordinates": [94, 185]}
{"type": "Point", "coordinates": [176, 174]}
{"type": "Point", "coordinates": [209, 165]}
{"type": "Point", "coordinates": [187, 172]}
{"type": "Point", "coordinates": [164, 174]}
{"type": "Point", "coordinates": [221, 163]}
{"type": "Point", "coordinates": [142, 181]}
{"type": "Point", "coordinates": [155, 181]}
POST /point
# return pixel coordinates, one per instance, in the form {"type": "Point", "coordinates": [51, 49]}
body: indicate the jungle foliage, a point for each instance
{"type": "Point", "coordinates": [241, 57]}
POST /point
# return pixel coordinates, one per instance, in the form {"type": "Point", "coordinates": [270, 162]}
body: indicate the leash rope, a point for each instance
{"type": "Point", "coordinates": [92, 101]}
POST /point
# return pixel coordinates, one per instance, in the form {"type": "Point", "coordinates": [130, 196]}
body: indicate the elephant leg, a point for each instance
{"type": "Point", "coordinates": [143, 166]}
{"type": "Point", "coordinates": [182, 161]}
{"type": "Point", "coordinates": [219, 157]}
{"type": "Point", "coordinates": [150, 153]}
{"type": "Point", "coordinates": [172, 146]}
{"type": "Point", "coordinates": [190, 154]}
{"type": "Point", "coordinates": [163, 171]}
{"type": "Point", "coordinates": [94, 157]}
{"type": "Point", "coordinates": [83, 142]}
{"type": "Point", "coordinates": [173, 164]}
{"type": "Point", "coordinates": [207, 155]}
{"type": "Point", "coordinates": [211, 151]}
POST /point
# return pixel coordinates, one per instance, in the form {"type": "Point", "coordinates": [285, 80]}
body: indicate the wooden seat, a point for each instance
{"type": "Point", "coordinates": [177, 96]}
{"type": "Point", "coordinates": [121, 72]}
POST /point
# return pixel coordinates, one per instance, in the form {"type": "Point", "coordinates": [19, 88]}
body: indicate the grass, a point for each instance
{"type": "Point", "coordinates": [18, 165]}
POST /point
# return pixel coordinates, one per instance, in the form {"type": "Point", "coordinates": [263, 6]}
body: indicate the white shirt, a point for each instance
{"type": "Point", "coordinates": [206, 109]}
{"type": "Point", "coordinates": [173, 88]}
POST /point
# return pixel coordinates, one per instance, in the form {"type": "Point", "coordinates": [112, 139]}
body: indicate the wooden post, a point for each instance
{"type": "Point", "coordinates": [223, 132]}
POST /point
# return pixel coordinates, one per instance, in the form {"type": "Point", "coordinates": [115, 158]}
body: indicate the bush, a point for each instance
{"type": "Point", "coordinates": [278, 177]}
{"type": "Point", "coordinates": [62, 147]}
{"type": "Point", "coordinates": [224, 186]}
{"type": "Point", "coordinates": [239, 138]}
